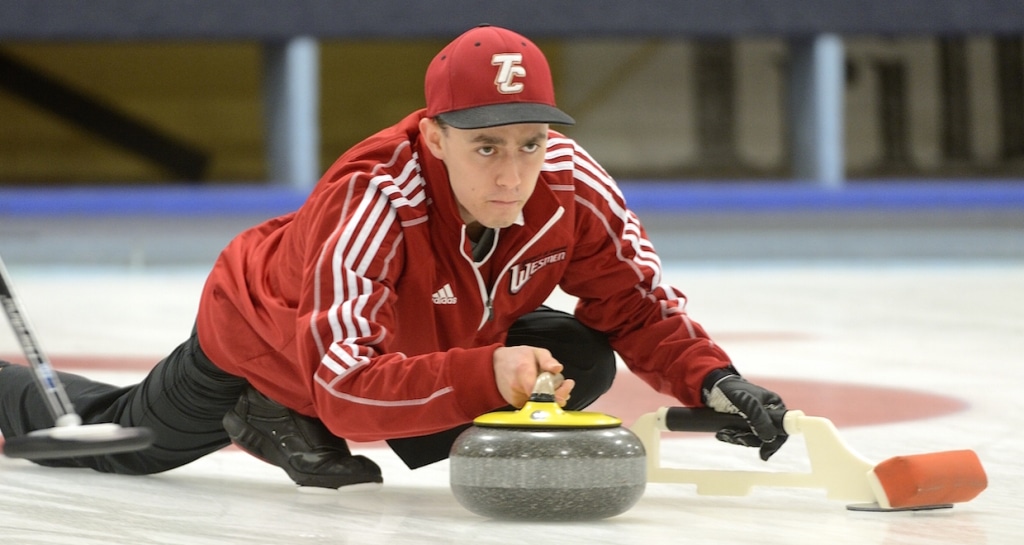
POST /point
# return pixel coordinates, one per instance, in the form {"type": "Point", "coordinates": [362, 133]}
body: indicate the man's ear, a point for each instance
{"type": "Point", "coordinates": [432, 135]}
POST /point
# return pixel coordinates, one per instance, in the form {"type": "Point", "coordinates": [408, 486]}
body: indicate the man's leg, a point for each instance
{"type": "Point", "coordinates": [182, 400]}
{"type": "Point", "coordinates": [585, 353]}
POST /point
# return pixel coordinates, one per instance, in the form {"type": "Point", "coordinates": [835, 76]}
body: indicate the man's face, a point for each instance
{"type": "Point", "coordinates": [492, 171]}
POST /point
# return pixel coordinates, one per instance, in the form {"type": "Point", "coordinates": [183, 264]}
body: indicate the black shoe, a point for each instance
{"type": "Point", "coordinates": [302, 446]}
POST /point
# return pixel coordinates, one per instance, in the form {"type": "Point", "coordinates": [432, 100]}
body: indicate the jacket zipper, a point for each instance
{"type": "Point", "coordinates": [481, 286]}
{"type": "Point", "coordinates": [489, 297]}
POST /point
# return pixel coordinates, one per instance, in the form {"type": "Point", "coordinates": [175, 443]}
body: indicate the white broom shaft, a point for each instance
{"type": "Point", "coordinates": [834, 466]}
{"type": "Point", "coordinates": [53, 390]}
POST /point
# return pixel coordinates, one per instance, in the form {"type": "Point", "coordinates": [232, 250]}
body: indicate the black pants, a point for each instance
{"type": "Point", "coordinates": [184, 398]}
{"type": "Point", "coordinates": [585, 353]}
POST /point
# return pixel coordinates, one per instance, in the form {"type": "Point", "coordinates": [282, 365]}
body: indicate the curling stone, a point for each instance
{"type": "Point", "coordinates": [544, 463]}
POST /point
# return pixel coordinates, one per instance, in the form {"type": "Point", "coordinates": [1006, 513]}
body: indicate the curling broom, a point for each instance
{"type": "Point", "coordinates": [68, 437]}
{"type": "Point", "coordinates": [904, 483]}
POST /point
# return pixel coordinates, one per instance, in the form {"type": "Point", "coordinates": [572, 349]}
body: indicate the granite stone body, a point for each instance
{"type": "Point", "coordinates": [548, 473]}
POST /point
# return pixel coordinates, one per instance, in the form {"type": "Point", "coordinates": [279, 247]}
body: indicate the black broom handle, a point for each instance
{"type": "Point", "coordinates": [709, 420]}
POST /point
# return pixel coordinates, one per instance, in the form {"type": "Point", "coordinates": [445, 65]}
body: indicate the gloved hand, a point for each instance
{"type": "Point", "coordinates": [725, 391]}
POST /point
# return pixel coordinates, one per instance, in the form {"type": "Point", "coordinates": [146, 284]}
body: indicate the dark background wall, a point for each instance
{"type": "Point", "coordinates": [662, 89]}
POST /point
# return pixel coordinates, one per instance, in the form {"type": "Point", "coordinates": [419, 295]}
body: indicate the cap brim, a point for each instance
{"type": "Point", "coordinates": [505, 114]}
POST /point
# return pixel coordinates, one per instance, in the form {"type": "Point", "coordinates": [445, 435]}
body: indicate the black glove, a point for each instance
{"type": "Point", "coordinates": [725, 391]}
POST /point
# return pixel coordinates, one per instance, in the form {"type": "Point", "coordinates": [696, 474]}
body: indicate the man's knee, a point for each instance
{"type": "Point", "coordinates": [585, 352]}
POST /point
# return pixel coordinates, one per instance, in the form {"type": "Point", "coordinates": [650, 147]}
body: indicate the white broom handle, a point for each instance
{"type": "Point", "coordinates": [49, 384]}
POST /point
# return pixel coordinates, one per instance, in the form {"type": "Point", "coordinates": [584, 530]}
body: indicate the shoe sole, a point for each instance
{"type": "Point", "coordinates": [358, 488]}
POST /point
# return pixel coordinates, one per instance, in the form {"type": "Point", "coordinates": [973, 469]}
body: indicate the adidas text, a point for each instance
{"type": "Point", "coordinates": [444, 296]}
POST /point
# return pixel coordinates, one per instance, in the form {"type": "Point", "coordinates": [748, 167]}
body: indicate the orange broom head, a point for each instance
{"type": "Point", "coordinates": [931, 479]}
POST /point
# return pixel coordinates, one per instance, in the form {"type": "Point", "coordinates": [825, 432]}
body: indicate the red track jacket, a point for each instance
{"type": "Point", "coordinates": [364, 307]}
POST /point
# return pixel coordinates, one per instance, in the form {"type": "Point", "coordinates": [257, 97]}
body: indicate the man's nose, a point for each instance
{"type": "Point", "coordinates": [511, 173]}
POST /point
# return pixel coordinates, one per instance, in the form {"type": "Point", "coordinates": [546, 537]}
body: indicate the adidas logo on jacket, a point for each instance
{"type": "Point", "coordinates": [444, 296]}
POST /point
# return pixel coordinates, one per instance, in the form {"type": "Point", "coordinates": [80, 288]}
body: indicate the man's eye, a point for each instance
{"type": "Point", "coordinates": [530, 148]}
{"type": "Point", "coordinates": [486, 150]}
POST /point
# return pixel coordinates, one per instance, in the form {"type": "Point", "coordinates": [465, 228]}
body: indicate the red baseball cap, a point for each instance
{"type": "Point", "coordinates": [491, 76]}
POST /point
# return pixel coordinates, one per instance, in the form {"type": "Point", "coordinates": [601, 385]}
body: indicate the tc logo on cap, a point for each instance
{"type": "Point", "coordinates": [488, 77]}
{"type": "Point", "coordinates": [509, 66]}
